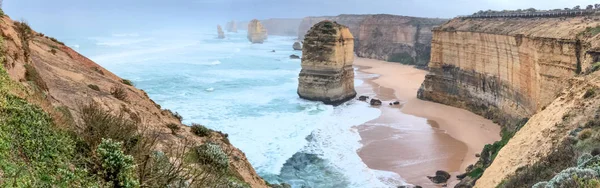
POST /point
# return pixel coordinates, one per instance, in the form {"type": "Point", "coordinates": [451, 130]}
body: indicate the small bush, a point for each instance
{"type": "Point", "coordinates": [119, 93]}
{"type": "Point", "coordinates": [211, 155]}
{"type": "Point", "coordinates": [127, 82]}
{"type": "Point", "coordinates": [178, 116]}
{"type": "Point", "coordinates": [94, 87]}
{"type": "Point", "coordinates": [589, 93]}
{"type": "Point", "coordinates": [99, 124]}
{"type": "Point", "coordinates": [584, 134]}
{"type": "Point", "coordinates": [200, 130]}
{"type": "Point", "coordinates": [54, 40]}
{"type": "Point", "coordinates": [53, 51]}
{"type": "Point", "coordinates": [32, 75]}
{"type": "Point", "coordinates": [403, 58]}
{"type": "Point", "coordinates": [596, 67]}
{"type": "Point", "coordinates": [174, 128]}
{"type": "Point", "coordinates": [476, 173]}
{"type": "Point", "coordinates": [117, 168]}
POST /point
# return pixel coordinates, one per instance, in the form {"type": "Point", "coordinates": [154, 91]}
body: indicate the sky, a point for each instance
{"type": "Point", "coordinates": [71, 17]}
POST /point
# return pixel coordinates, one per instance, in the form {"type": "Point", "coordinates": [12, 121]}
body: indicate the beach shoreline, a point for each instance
{"type": "Point", "coordinates": [418, 137]}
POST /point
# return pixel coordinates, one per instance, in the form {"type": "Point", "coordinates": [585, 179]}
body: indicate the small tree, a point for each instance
{"type": "Point", "coordinates": [577, 7]}
{"type": "Point", "coordinates": [589, 7]}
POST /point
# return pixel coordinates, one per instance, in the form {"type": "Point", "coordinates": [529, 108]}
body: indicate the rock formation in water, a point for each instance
{"type": "Point", "coordinates": [327, 74]}
{"type": "Point", "coordinates": [220, 32]}
{"type": "Point", "coordinates": [231, 27]}
{"type": "Point", "coordinates": [256, 32]}
{"type": "Point", "coordinates": [386, 37]}
{"type": "Point", "coordinates": [297, 46]}
{"type": "Point", "coordinates": [535, 77]}
{"type": "Point", "coordinates": [57, 81]}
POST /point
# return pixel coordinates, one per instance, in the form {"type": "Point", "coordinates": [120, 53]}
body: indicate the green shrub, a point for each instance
{"type": "Point", "coordinates": [174, 128]}
{"type": "Point", "coordinates": [476, 173]}
{"type": "Point", "coordinates": [200, 130]}
{"type": "Point", "coordinates": [119, 93]}
{"type": "Point", "coordinates": [94, 87]}
{"type": "Point", "coordinates": [211, 155]}
{"type": "Point", "coordinates": [589, 93]}
{"type": "Point", "coordinates": [403, 58]}
{"type": "Point", "coordinates": [127, 82]}
{"type": "Point", "coordinates": [117, 168]}
{"type": "Point", "coordinates": [54, 40]}
{"type": "Point", "coordinates": [53, 51]}
{"type": "Point", "coordinates": [585, 134]}
{"type": "Point", "coordinates": [99, 124]}
{"type": "Point", "coordinates": [595, 66]}
{"type": "Point", "coordinates": [33, 76]}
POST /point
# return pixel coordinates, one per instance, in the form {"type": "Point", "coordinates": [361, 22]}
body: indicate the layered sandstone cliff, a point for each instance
{"type": "Point", "coordinates": [386, 37]}
{"type": "Point", "coordinates": [282, 26]}
{"type": "Point", "coordinates": [256, 32]}
{"type": "Point", "coordinates": [221, 34]}
{"type": "Point", "coordinates": [231, 27]}
{"type": "Point", "coordinates": [55, 76]}
{"type": "Point", "coordinates": [327, 74]}
{"type": "Point", "coordinates": [511, 69]}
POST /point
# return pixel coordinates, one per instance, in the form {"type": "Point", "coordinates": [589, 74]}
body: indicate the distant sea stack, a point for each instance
{"type": "Point", "coordinates": [327, 74]}
{"type": "Point", "coordinates": [297, 46]}
{"type": "Point", "coordinates": [231, 27]}
{"type": "Point", "coordinates": [220, 31]}
{"type": "Point", "coordinates": [256, 32]}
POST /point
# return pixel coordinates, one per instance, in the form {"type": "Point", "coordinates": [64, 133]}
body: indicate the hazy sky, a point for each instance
{"type": "Point", "coordinates": [60, 17]}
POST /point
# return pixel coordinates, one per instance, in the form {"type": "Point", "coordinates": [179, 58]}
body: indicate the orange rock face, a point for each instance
{"type": "Point", "coordinates": [256, 32]}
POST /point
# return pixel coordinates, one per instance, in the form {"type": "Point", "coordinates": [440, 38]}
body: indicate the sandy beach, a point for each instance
{"type": "Point", "coordinates": [418, 137]}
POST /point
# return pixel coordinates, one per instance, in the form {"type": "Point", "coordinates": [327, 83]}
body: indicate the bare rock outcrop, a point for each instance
{"type": "Point", "coordinates": [220, 32]}
{"type": "Point", "coordinates": [297, 46]}
{"type": "Point", "coordinates": [327, 74]}
{"type": "Point", "coordinates": [256, 32]}
{"type": "Point", "coordinates": [231, 27]}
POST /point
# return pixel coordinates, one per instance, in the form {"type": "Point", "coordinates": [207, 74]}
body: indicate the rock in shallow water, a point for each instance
{"type": "Point", "coordinates": [256, 32]}
{"type": "Point", "coordinates": [297, 46]}
{"type": "Point", "coordinates": [294, 57]}
{"type": "Point", "coordinates": [375, 102]}
{"type": "Point", "coordinates": [327, 74]}
{"type": "Point", "coordinates": [440, 177]}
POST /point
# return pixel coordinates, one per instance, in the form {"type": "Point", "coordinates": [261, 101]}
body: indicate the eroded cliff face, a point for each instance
{"type": "Point", "coordinates": [282, 26]}
{"type": "Point", "coordinates": [386, 37]}
{"type": "Point", "coordinates": [327, 74]}
{"type": "Point", "coordinates": [64, 79]}
{"type": "Point", "coordinates": [510, 69]}
{"type": "Point", "coordinates": [220, 32]}
{"type": "Point", "coordinates": [256, 32]}
{"type": "Point", "coordinates": [505, 69]}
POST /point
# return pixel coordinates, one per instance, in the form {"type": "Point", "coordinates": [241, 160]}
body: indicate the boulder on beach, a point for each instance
{"type": "Point", "coordinates": [375, 102]}
{"type": "Point", "coordinates": [440, 177]}
{"type": "Point", "coordinates": [297, 46]}
{"type": "Point", "coordinates": [363, 98]}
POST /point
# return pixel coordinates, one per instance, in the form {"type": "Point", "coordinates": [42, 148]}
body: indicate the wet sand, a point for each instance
{"type": "Point", "coordinates": [418, 137]}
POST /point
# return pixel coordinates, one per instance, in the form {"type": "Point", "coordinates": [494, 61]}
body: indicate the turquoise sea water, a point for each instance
{"type": "Point", "coordinates": [249, 92]}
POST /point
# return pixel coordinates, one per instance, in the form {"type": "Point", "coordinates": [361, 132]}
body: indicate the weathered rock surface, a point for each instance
{"type": "Point", "coordinates": [220, 32]}
{"type": "Point", "coordinates": [440, 177]}
{"type": "Point", "coordinates": [282, 26]}
{"type": "Point", "coordinates": [375, 102]}
{"type": "Point", "coordinates": [504, 69]}
{"type": "Point", "coordinates": [386, 37]}
{"type": "Point", "coordinates": [231, 26]}
{"type": "Point", "coordinates": [327, 74]}
{"type": "Point", "coordinates": [508, 69]}
{"type": "Point", "coordinates": [256, 32]}
{"type": "Point", "coordinates": [297, 46]}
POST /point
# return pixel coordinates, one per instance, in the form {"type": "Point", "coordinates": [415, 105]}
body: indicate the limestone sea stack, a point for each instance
{"type": "Point", "coordinates": [220, 31]}
{"type": "Point", "coordinates": [256, 32]}
{"type": "Point", "coordinates": [327, 56]}
{"type": "Point", "coordinates": [231, 27]}
{"type": "Point", "coordinates": [297, 46]}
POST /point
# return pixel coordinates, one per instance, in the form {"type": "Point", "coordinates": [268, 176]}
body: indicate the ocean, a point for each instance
{"type": "Point", "coordinates": [248, 92]}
